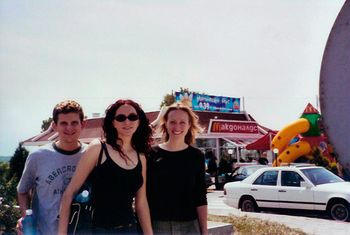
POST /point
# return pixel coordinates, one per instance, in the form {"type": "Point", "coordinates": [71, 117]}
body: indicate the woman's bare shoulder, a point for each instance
{"type": "Point", "coordinates": [95, 145]}
{"type": "Point", "coordinates": [95, 142]}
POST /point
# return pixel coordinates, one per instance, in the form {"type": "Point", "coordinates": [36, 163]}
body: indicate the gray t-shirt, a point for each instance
{"type": "Point", "coordinates": [48, 172]}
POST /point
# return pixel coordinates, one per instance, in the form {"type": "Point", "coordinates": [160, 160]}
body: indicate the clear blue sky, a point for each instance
{"type": "Point", "coordinates": [268, 52]}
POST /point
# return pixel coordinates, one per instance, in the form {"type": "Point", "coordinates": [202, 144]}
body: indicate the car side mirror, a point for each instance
{"type": "Point", "coordinates": [305, 184]}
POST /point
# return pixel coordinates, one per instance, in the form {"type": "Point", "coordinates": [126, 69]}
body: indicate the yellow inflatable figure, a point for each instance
{"type": "Point", "coordinates": [307, 125]}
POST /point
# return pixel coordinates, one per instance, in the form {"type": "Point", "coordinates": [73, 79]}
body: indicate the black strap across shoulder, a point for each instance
{"type": "Point", "coordinates": [103, 149]}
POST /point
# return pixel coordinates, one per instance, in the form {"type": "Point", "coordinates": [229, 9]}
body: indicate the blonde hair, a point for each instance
{"type": "Point", "coordinates": [194, 129]}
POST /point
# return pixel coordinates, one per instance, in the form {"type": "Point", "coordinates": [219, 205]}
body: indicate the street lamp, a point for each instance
{"type": "Point", "coordinates": [275, 154]}
{"type": "Point", "coordinates": [230, 152]}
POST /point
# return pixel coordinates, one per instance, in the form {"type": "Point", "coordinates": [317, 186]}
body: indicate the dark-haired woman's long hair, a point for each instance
{"type": "Point", "coordinates": [141, 139]}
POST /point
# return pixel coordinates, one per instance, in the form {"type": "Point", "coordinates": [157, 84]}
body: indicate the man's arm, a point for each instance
{"type": "Point", "coordinates": [25, 188]}
{"type": "Point", "coordinates": [24, 202]}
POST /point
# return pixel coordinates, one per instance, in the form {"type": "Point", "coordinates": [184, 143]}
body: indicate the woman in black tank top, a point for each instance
{"type": "Point", "coordinates": [119, 177]}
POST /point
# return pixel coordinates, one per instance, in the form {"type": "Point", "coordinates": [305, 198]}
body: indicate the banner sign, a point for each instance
{"type": "Point", "coordinates": [221, 126]}
{"type": "Point", "coordinates": [200, 102]}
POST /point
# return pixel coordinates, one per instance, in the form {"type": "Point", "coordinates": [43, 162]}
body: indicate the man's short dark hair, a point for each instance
{"type": "Point", "coordinates": [67, 106]}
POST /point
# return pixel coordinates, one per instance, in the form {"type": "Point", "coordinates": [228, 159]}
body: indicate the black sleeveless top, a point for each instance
{"type": "Point", "coordinates": [113, 191]}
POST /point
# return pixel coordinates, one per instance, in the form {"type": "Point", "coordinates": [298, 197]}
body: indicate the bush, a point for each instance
{"type": "Point", "coordinates": [247, 225]}
{"type": "Point", "coordinates": [8, 218]}
{"type": "Point", "coordinates": [9, 212]}
{"type": "Point", "coordinates": [10, 174]}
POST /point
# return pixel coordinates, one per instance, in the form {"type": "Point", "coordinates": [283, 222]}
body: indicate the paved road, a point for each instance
{"type": "Point", "coordinates": [309, 225]}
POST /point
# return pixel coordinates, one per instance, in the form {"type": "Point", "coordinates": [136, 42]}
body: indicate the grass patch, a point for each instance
{"type": "Point", "coordinates": [247, 225]}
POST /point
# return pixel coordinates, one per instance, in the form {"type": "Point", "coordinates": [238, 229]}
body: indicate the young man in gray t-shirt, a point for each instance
{"type": "Point", "coordinates": [48, 170]}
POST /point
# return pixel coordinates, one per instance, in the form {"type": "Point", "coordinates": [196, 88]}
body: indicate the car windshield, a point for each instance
{"type": "Point", "coordinates": [250, 170]}
{"type": "Point", "coordinates": [247, 170]}
{"type": "Point", "coordinates": [321, 176]}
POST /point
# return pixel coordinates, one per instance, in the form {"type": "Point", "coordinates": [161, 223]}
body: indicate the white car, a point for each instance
{"type": "Point", "coordinates": [305, 187]}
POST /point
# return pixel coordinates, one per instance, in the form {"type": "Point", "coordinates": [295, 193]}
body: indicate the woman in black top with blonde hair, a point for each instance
{"type": "Point", "coordinates": [176, 188]}
{"type": "Point", "coordinates": [120, 177]}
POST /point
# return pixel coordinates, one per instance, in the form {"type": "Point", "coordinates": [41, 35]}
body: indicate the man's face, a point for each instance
{"type": "Point", "coordinates": [68, 127]}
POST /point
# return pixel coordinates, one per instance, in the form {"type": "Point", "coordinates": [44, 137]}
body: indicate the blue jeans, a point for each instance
{"type": "Point", "coordinates": [175, 227]}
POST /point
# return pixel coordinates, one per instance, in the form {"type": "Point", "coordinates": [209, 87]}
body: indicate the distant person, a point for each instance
{"type": "Point", "coordinates": [225, 164]}
{"type": "Point", "coordinates": [176, 187]}
{"type": "Point", "coordinates": [212, 166]}
{"type": "Point", "coordinates": [49, 169]}
{"type": "Point", "coordinates": [263, 161]}
{"type": "Point", "coordinates": [342, 172]}
{"type": "Point", "coordinates": [121, 175]}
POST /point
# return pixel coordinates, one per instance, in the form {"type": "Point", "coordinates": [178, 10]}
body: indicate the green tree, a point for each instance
{"type": "Point", "coordinates": [17, 161]}
{"type": "Point", "coordinates": [46, 124]}
{"type": "Point", "coordinates": [169, 98]}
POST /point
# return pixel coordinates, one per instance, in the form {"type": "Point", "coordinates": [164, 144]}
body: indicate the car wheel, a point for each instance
{"type": "Point", "coordinates": [340, 211]}
{"type": "Point", "coordinates": [248, 205]}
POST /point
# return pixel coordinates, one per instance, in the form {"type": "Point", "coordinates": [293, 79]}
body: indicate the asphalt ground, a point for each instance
{"type": "Point", "coordinates": [310, 223]}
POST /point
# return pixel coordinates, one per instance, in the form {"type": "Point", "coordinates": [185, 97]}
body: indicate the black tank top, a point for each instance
{"type": "Point", "coordinates": [113, 191]}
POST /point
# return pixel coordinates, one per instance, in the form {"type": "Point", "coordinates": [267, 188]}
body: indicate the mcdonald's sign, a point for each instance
{"type": "Point", "coordinates": [218, 126]}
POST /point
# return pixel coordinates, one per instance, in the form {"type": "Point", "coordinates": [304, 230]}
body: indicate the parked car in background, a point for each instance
{"type": "Point", "coordinates": [302, 187]}
{"type": "Point", "coordinates": [240, 172]}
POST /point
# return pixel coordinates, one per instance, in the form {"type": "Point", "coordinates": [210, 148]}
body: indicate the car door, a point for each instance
{"type": "Point", "coordinates": [264, 189]}
{"type": "Point", "coordinates": [291, 195]}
